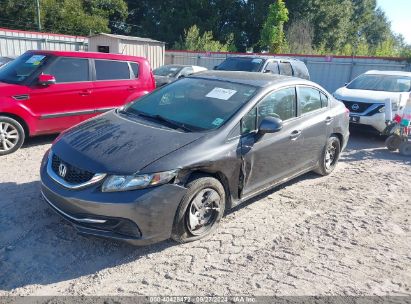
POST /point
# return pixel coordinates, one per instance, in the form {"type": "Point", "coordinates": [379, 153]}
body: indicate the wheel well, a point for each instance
{"type": "Point", "coordinates": [20, 120]}
{"type": "Point", "coordinates": [340, 138]}
{"type": "Point", "coordinates": [218, 176]}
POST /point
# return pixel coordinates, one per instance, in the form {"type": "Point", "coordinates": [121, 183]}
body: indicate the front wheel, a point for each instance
{"type": "Point", "coordinates": [200, 210]}
{"type": "Point", "coordinates": [11, 135]}
{"type": "Point", "coordinates": [393, 142]}
{"type": "Point", "coordinates": [405, 148]}
{"type": "Point", "coordinates": [330, 156]}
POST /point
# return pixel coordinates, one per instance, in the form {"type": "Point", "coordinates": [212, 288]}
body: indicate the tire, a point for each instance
{"type": "Point", "coordinates": [329, 157]}
{"type": "Point", "coordinates": [405, 148]}
{"type": "Point", "coordinates": [11, 135]}
{"type": "Point", "coordinates": [204, 191]}
{"type": "Point", "coordinates": [393, 142]}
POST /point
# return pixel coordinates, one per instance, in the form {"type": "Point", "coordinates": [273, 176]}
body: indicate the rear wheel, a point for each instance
{"type": "Point", "coordinates": [330, 156]}
{"type": "Point", "coordinates": [11, 135]}
{"type": "Point", "coordinates": [393, 142]}
{"type": "Point", "coordinates": [405, 148]}
{"type": "Point", "coordinates": [200, 210]}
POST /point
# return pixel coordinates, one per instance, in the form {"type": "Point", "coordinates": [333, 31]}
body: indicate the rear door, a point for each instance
{"type": "Point", "coordinates": [66, 103]}
{"type": "Point", "coordinates": [114, 83]}
{"type": "Point", "coordinates": [315, 122]}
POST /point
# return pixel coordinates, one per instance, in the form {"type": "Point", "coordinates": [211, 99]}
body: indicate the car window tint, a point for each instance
{"type": "Point", "coordinates": [309, 99]}
{"type": "Point", "coordinates": [286, 69]}
{"type": "Point", "coordinates": [111, 70]}
{"type": "Point", "coordinates": [134, 68]}
{"type": "Point", "coordinates": [248, 123]}
{"type": "Point", "coordinates": [281, 104]}
{"type": "Point", "coordinates": [324, 100]}
{"type": "Point", "coordinates": [69, 70]}
{"type": "Point", "coordinates": [272, 67]}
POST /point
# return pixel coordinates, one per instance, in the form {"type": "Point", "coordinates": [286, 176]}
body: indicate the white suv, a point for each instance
{"type": "Point", "coordinates": [366, 96]}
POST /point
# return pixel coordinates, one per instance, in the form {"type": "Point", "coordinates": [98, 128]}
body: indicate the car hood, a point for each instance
{"type": "Point", "coordinates": [366, 96]}
{"type": "Point", "coordinates": [161, 80]}
{"type": "Point", "coordinates": [7, 89]}
{"type": "Point", "coordinates": [114, 144]}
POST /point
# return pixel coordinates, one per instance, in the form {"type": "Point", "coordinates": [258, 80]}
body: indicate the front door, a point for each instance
{"type": "Point", "coordinates": [66, 103]}
{"type": "Point", "coordinates": [271, 157]}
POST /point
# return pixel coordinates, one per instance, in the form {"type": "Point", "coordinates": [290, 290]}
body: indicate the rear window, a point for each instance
{"type": "Point", "coordinates": [241, 64]}
{"type": "Point", "coordinates": [112, 70]}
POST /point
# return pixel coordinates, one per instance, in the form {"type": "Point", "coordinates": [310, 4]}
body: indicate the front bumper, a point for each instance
{"type": "Point", "coordinates": [140, 217]}
{"type": "Point", "coordinates": [377, 121]}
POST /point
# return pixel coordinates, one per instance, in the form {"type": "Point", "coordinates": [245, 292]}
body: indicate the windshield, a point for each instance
{"type": "Point", "coordinates": [193, 103]}
{"type": "Point", "coordinates": [241, 64]}
{"type": "Point", "coordinates": [385, 83]}
{"type": "Point", "coordinates": [23, 67]}
{"type": "Point", "coordinates": [167, 70]}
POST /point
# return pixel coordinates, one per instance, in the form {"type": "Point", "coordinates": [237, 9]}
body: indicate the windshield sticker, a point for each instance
{"type": "Point", "coordinates": [256, 60]}
{"type": "Point", "coordinates": [217, 122]}
{"type": "Point", "coordinates": [173, 69]}
{"type": "Point", "coordinates": [35, 59]}
{"type": "Point", "coordinates": [220, 93]}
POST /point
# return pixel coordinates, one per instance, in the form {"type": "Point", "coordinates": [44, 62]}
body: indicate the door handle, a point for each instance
{"type": "Point", "coordinates": [85, 92]}
{"type": "Point", "coordinates": [328, 120]}
{"type": "Point", "coordinates": [132, 88]}
{"type": "Point", "coordinates": [295, 134]}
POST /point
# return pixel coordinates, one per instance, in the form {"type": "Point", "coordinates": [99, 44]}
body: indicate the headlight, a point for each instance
{"type": "Point", "coordinates": [132, 182]}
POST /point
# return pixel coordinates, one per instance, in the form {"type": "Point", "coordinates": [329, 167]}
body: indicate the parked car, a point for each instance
{"type": "Point", "coordinates": [170, 164]}
{"type": "Point", "coordinates": [266, 64]}
{"type": "Point", "coordinates": [44, 92]}
{"type": "Point", "coordinates": [5, 60]}
{"type": "Point", "coordinates": [365, 96]}
{"type": "Point", "coordinates": [171, 72]}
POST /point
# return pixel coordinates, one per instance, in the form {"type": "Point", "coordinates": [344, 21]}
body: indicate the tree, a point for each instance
{"type": "Point", "coordinates": [194, 41]}
{"type": "Point", "coordinates": [300, 35]}
{"type": "Point", "coordinates": [76, 17]}
{"type": "Point", "coordinates": [272, 35]}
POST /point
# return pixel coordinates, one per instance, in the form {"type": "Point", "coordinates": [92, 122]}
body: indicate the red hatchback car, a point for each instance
{"type": "Point", "coordinates": [46, 92]}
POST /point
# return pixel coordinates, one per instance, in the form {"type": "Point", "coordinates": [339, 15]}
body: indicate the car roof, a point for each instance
{"type": "Point", "coordinates": [248, 78]}
{"type": "Point", "coordinates": [392, 73]}
{"type": "Point", "coordinates": [182, 65]}
{"type": "Point", "coordinates": [96, 55]}
{"type": "Point", "coordinates": [264, 57]}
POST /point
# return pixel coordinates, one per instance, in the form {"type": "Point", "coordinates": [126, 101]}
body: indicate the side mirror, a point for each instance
{"type": "Point", "coordinates": [267, 71]}
{"type": "Point", "coordinates": [215, 67]}
{"type": "Point", "coordinates": [46, 80]}
{"type": "Point", "coordinates": [270, 125]}
{"type": "Point", "coordinates": [181, 76]}
{"type": "Point", "coordinates": [346, 84]}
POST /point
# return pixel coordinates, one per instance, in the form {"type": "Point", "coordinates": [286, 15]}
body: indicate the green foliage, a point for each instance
{"type": "Point", "coordinates": [76, 17]}
{"type": "Point", "coordinates": [194, 41]}
{"type": "Point", "coordinates": [272, 34]}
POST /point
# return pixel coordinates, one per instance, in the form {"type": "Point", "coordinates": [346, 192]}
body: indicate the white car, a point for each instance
{"type": "Point", "coordinates": [366, 96]}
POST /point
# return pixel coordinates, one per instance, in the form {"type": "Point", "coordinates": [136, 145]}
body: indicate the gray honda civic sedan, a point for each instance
{"type": "Point", "coordinates": [172, 162]}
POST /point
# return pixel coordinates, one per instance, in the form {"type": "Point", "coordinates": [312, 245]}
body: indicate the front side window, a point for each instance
{"type": "Point", "coordinates": [272, 67]}
{"type": "Point", "coordinates": [69, 70]}
{"type": "Point", "coordinates": [286, 69]}
{"type": "Point", "coordinates": [280, 104]}
{"type": "Point", "coordinates": [197, 104]}
{"type": "Point", "coordinates": [309, 99]}
{"type": "Point", "coordinates": [112, 70]}
{"type": "Point", "coordinates": [22, 68]}
{"type": "Point", "coordinates": [385, 83]}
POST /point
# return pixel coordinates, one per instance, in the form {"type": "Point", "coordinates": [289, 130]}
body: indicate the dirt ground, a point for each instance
{"type": "Point", "coordinates": [345, 234]}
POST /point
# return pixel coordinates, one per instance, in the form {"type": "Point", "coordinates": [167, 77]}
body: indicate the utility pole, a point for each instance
{"type": "Point", "coordinates": [38, 15]}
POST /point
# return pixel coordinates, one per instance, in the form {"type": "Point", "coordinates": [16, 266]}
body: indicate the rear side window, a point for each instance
{"type": "Point", "coordinates": [286, 69]}
{"type": "Point", "coordinates": [324, 100]}
{"type": "Point", "coordinates": [69, 70]}
{"type": "Point", "coordinates": [309, 99]}
{"type": "Point", "coordinates": [134, 69]}
{"type": "Point", "coordinates": [112, 70]}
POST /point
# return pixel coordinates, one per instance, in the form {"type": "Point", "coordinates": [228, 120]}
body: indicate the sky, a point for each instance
{"type": "Point", "coordinates": [399, 13]}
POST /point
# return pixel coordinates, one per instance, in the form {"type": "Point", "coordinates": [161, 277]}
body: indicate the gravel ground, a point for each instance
{"type": "Point", "coordinates": [345, 234]}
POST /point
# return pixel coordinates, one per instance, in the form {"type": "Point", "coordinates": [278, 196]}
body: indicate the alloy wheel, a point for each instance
{"type": "Point", "coordinates": [9, 136]}
{"type": "Point", "coordinates": [331, 155]}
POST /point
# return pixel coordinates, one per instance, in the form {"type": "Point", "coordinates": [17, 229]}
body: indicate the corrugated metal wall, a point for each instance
{"type": "Point", "coordinates": [154, 52]}
{"type": "Point", "coordinates": [112, 43]}
{"type": "Point", "coordinates": [14, 43]}
{"type": "Point", "coordinates": [330, 72]}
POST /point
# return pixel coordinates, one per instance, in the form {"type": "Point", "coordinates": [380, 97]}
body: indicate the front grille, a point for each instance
{"type": "Point", "coordinates": [73, 174]}
{"type": "Point", "coordinates": [357, 107]}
